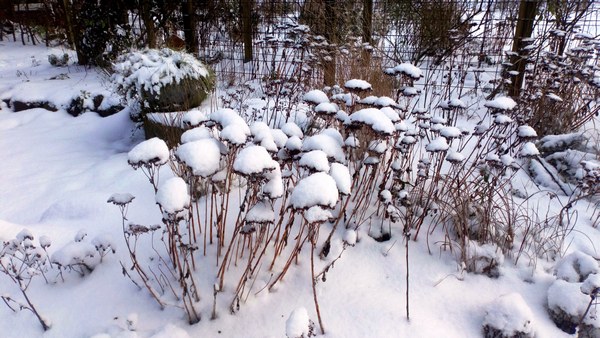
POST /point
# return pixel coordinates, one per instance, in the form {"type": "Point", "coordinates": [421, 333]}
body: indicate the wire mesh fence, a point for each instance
{"type": "Point", "coordinates": [302, 40]}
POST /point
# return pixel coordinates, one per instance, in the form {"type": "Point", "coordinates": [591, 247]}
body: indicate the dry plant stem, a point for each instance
{"type": "Point", "coordinates": [314, 279]}
{"type": "Point", "coordinates": [136, 266]}
{"type": "Point", "coordinates": [294, 254]}
{"type": "Point", "coordinates": [407, 239]}
{"type": "Point", "coordinates": [29, 307]}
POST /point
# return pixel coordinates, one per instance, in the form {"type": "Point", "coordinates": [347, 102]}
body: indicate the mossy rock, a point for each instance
{"type": "Point", "coordinates": [181, 96]}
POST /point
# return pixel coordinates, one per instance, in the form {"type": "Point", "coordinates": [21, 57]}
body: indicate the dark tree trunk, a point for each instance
{"type": "Point", "coordinates": [331, 35]}
{"type": "Point", "coordinates": [188, 9]}
{"type": "Point", "coordinates": [524, 29]}
{"type": "Point", "coordinates": [246, 15]}
{"type": "Point", "coordinates": [146, 15]}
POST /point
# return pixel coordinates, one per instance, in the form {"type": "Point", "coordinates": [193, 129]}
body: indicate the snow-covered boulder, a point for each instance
{"type": "Point", "coordinates": [508, 317]}
{"type": "Point", "coordinates": [576, 267]}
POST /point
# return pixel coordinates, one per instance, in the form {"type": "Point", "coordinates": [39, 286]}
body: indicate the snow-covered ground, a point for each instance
{"type": "Point", "coordinates": [58, 172]}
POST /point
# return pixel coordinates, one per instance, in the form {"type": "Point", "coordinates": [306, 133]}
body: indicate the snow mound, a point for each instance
{"type": "Point", "coordinates": [120, 198]}
{"type": "Point", "coordinates": [501, 103]}
{"type": "Point", "coordinates": [261, 213]}
{"type": "Point", "coordinates": [316, 214]}
{"type": "Point", "coordinates": [409, 70]}
{"type": "Point", "coordinates": [315, 96]}
{"type": "Point", "coordinates": [438, 144]}
{"type": "Point", "coordinates": [526, 132]}
{"type": "Point", "coordinates": [375, 119]}
{"type": "Point", "coordinates": [341, 175]}
{"type": "Point", "coordinates": [152, 151]}
{"type": "Point", "coordinates": [510, 316]}
{"type": "Point", "coordinates": [529, 150]}
{"type": "Point", "coordinates": [327, 144]}
{"type": "Point", "coordinates": [328, 108]}
{"type": "Point", "coordinates": [298, 324]}
{"type": "Point", "coordinates": [318, 189]}
{"type": "Point", "coordinates": [195, 134]}
{"type": "Point", "coordinates": [76, 253]}
{"type": "Point", "coordinates": [576, 267]}
{"type": "Point", "coordinates": [591, 285]}
{"type": "Point", "coordinates": [315, 160]}
{"type": "Point", "coordinates": [202, 156]}
{"type": "Point", "coordinates": [227, 117]}
{"type": "Point", "coordinates": [173, 195]}
{"type": "Point", "coordinates": [356, 84]}
{"type": "Point", "coordinates": [292, 129]}
{"type": "Point", "coordinates": [253, 160]}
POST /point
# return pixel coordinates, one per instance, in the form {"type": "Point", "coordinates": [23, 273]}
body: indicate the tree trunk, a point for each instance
{"type": "Point", "coordinates": [524, 29]}
{"type": "Point", "coordinates": [246, 15]}
{"type": "Point", "coordinates": [330, 65]}
{"type": "Point", "coordinates": [146, 15]}
{"type": "Point", "coordinates": [367, 29]}
{"type": "Point", "coordinates": [188, 9]}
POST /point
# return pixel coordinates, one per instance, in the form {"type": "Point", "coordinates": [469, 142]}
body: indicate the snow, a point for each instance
{"type": "Point", "coordinates": [60, 171]}
{"type": "Point", "coordinates": [554, 97]}
{"type": "Point", "coordinates": [318, 189]}
{"type": "Point", "coordinates": [260, 130]}
{"type": "Point", "coordinates": [502, 119]}
{"type": "Point", "coordinates": [293, 144]}
{"type": "Point", "coordinates": [234, 134]}
{"type": "Point", "coordinates": [274, 187]}
{"type": "Point", "coordinates": [297, 325]}
{"type": "Point", "coordinates": [438, 144]}
{"type": "Point", "coordinates": [352, 142]}
{"type": "Point", "coordinates": [341, 175]}
{"type": "Point", "coordinates": [75, 253]}
{"type": "Point", "coordinates": [195, 134]}
{"type": "Point", "coordinates": [151, 69]}
{"type": "Point", "coordinates": [385, 101]}
{"type": "Point", "coordinates": [369, 100]}
{"type": "Point", "coordinates": [202, 156]}
{"type": "Point", "coordinates": [120, 198]}
{"type": "Point", "coordinates": [292, 129]}
{"type": "Point", "coordinates": [526, 132]}
{"type": "Point", "coordinates": [356, 84]}
{"type": "Point", "coordinates": [173, 196]}
{"type": "Point", "coordinates": [409, 70]}
{"type": "Point", "coordinates": [315, 97]}
{"type": "Point", "coordinates": [152, 151]}
{"type": "Point", "coordinates": [195, 117]}
{"type": "Point", "coordinates": [228, 117]}
{"type": "Point", "coordinates": [576, 266]}
{"type": "Point", "coordinates": [529, 150]}
{"type": "Point", "coordinates": [501, 103]}
{"type": "Point", "coordinates": [450, 132]}
{"type": "Point", "coordinates": [326, 143]}
{"type": "Point", "coordinates": [316, 214]}
{"type": "Point", "coordinates": [453, 103]}
{"type": "Point", "coordinates": [374, 118]}
{"type": "Point", "coordinates": [454, 157]}
{"type": "Point", "coordinates": [350, 237]}
{"type": "Point", "coordinates": [567, 297]}
{"type": "Point", "coordinates": [511, 315]}
{"type": "Point", "coordinates": [279, 137]}
{"type": "Point", "coordinates": [591, 285]}
{"type": "Point", "coordinates": [253, 160]}
{"type": "Point", "coordinates": [328, 108]}
{"type": "Point", "coordinates": [262, 213]}
{"type": "Point", "coordinates": [391, 114]}
{"type": "Point", "coordinates": [315, 160]}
